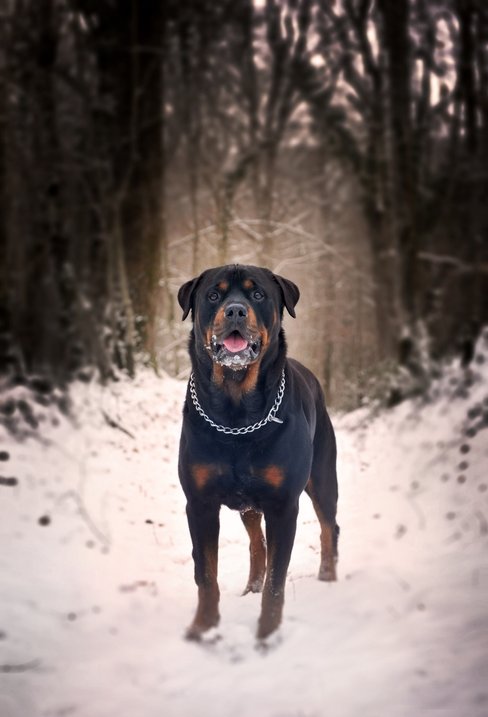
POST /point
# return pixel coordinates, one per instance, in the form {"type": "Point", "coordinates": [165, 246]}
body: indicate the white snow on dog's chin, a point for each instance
{"type": "Point", "coordinates": [235, 361]}
{"type": "Point", "coordinates": [95, 603]}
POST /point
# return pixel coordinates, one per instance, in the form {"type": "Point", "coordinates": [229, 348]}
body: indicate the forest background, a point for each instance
{"type": "Point", "coordinates": [342, 144]}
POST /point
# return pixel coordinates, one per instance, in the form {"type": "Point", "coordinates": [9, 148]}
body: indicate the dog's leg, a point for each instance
{"type": "Point", "coordinates": [257, 551]}
{"type": "Point", "coordinates": [203, 521]}
{"type": "Point", "coordinates": [322, 489]}
{"type": "Point", "coordinates": [329, 532]}
{"type": "Point", "coordinates": [280, 535]}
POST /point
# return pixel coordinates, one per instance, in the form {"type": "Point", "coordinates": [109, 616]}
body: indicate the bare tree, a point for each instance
{"type": "Point", "coordinates": [395, 101]}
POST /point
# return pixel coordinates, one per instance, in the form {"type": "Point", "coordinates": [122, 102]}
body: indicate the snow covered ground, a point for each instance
{"type": "Point", "coordinates": [96, 577]}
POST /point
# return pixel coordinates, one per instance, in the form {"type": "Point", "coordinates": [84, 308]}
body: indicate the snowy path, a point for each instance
{"type": "Point", "coordinates": [94, 602]}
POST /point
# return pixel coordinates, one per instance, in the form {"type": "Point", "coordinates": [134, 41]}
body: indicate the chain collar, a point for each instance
{"type": "Point", "coordinates": [244, 429]}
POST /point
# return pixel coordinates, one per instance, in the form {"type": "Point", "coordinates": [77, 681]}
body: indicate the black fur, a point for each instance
{"type": "Point", "coordinates": [262, 472]}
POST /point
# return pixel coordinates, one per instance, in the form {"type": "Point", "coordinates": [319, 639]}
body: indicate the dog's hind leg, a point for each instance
{"type": "Point", "coordinates": [257, 551]}
{"type": "Point", "coordinates": [322, 489]}
{"type": "Point", "coordinates": [329, 532]}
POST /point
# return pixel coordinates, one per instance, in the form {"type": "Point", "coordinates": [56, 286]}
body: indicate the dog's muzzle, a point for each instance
{"type": "Point", "coordinates": [235, 350]}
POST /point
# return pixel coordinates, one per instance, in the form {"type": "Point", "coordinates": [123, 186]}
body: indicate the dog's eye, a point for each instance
{"type": "Point", "coordinates": [258, 295]}
{"type": "Point", "coordinates": [213, 296]}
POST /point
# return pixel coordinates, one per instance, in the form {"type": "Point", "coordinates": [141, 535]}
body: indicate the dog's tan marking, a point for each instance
{"type": "Point", "coordinates": [252, 320]}
{"type": "Point", "coordinates": [257, 551]}
{"type": "Point", "coordinates": [208, 336]}
{"type": "Point", "coordinates": [273, 475]}
{"type": "Point", "coordinates": [264, 339]}
{"type": "Point", "coordinates": [203, 472]}
{"type": "Point", "coordinates": [218, 374]}
{"type": "Point", "coordinates": [249, 383]}
{"type": "Point", "coordinates": [219, 320]}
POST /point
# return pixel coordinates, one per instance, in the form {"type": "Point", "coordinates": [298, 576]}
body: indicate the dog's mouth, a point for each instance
{"type": "Point", "coordinates": [235, 350]}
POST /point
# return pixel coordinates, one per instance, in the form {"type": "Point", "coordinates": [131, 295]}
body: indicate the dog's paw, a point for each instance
{"type": "Point", "coordinates": [255, 586]}
{"type": "Point", "coordinates": [264, 645]}
{"type": "Point", "coordinates": [327, 573]}
{"type": "Point", "coordinates": [198, 630]}
{"type": "Point", "coordinates": [194, 633]}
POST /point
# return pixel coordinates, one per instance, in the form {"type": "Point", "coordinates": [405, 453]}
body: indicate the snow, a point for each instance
{"type": "Point", "coordinates": [95, 598]}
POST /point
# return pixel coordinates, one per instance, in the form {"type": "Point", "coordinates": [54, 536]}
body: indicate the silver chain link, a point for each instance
{"type": "Point", "coordinates": [244, 429]}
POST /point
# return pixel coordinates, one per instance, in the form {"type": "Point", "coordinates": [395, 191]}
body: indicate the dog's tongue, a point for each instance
{"type": "Point", "coordinates": [235, 343]}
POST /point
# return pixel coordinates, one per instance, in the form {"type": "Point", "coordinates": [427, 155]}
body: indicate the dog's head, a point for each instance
{"type": "Point", "coordinates": [237, 312]}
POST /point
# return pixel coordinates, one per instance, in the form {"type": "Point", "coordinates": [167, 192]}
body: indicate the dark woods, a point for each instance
{"type": "Point", "coordinates": [344, 142]}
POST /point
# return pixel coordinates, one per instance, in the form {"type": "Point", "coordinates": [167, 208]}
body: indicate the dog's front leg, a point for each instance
{"type": "Point", "coordinates": [280, 535]}
{"type": "Point", "coordinates": [203, 520]}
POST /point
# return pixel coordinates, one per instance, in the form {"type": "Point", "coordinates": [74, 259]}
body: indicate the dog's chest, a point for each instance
{"type": "Point", "coordinates": [249, 473]}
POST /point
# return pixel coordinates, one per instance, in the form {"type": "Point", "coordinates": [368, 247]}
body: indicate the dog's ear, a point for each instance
{"type": "Point", "coordinates": [290, 293]}
{"type": "Point", "coordinates": [185, 295]}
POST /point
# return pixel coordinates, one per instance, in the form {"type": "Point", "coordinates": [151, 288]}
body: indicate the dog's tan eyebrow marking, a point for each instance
{"type": "Point", "coordinates": [273, 475]}
{"type": "Point", "coordinates": [223, 285]}
{"type": "Point", "coordinates": [248, 283]}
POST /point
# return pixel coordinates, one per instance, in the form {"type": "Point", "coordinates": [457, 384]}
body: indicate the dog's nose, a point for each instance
{"type": "Point", "coordinates": [235, 311]}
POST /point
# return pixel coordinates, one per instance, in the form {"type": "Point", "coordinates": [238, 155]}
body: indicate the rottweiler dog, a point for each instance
{"type": "Point", "coordinates": [255, 434]}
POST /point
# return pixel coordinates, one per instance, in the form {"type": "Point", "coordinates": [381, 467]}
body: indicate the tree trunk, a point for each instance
{"type": "Point", "coordinates": [137, 72]}
{"type": "Point", "coordinates": [403, 243]}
